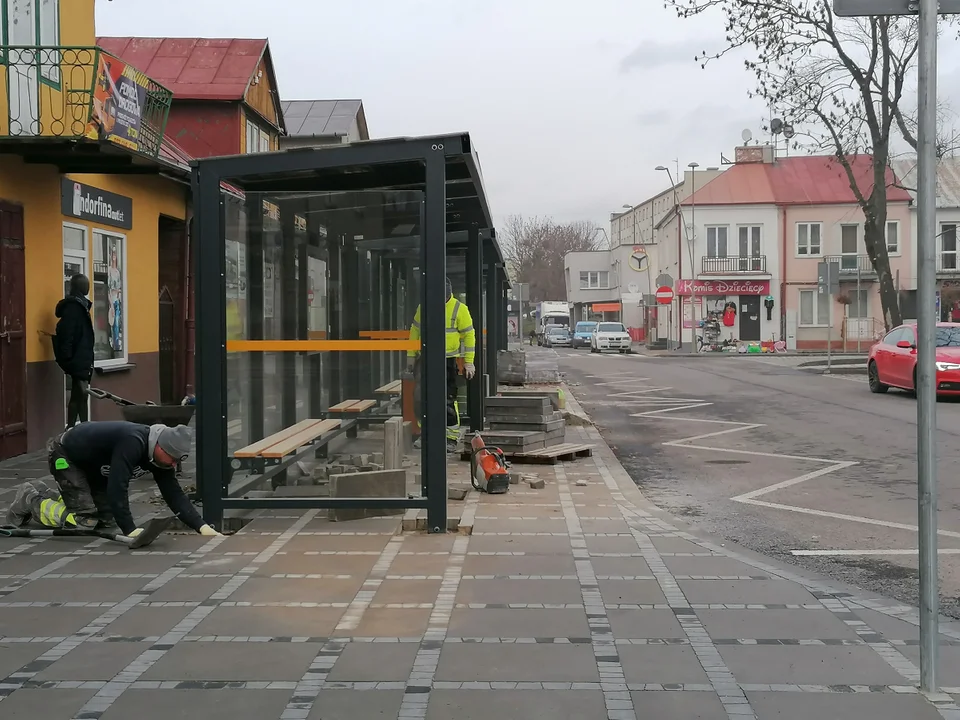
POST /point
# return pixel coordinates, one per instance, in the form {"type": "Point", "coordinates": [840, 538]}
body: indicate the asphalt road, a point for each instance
{"type": "Point", "coordinates": [795, 465]}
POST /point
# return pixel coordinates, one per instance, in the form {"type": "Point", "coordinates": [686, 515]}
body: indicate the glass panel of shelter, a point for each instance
{"type": "Point", "coordinates": [322, 290]}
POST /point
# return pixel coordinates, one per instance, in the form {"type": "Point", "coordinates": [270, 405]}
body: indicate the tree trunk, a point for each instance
{"type": "Point", "coordinates": [876, 243]}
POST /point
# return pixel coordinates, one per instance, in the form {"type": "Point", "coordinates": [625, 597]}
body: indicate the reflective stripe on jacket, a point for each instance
{"type": "Point", "coordinates": [461, 338]}
{"type": "Point", "coordinates": [54, 514]}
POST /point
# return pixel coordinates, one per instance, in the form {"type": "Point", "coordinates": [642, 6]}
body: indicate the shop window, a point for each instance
{"type": "Point", "coordinates": [109, 299]}
{"type": "Point", "coordinates": [814, 309]}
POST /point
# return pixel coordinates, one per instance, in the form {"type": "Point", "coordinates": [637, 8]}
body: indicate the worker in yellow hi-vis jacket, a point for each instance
{"type": "Point", "coordinates": [461, 341]}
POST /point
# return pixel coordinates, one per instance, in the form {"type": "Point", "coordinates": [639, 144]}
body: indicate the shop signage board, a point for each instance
{"type": "Point", "coordinates": [119, 97]}
{"type": "Point", "coordinates": [723, 287]}
{"type": "Point", "coordinates": [87, 202]}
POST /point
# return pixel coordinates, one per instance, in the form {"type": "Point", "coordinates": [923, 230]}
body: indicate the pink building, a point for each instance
{"type": "Point", "coordinates": [799, 212]}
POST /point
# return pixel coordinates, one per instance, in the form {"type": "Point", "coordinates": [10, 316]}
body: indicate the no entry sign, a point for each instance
{"type": "Point", "coordinates": [664, 295]}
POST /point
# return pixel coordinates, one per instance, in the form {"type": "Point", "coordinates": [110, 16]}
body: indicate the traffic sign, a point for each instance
{"type": "Point", "coordinates": [865, 8]}
{"type": "Point", "coordinates": [664, 295]}
{"type": "Point", "coordinates": [828, 278]}
{"type": "Point", "coordinates": [664, 280]}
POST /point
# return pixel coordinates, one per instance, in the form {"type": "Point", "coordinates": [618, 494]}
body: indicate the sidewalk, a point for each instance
{"type": "Point", "coordinates": [578, 600]}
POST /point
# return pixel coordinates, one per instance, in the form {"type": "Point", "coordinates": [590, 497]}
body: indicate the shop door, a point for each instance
{"type": "Point", "coordinates": [167, 359]}
{"type": "Point", "coordinates": [13, 341]}
{"type": "Point", "coordinates": [750, 318]}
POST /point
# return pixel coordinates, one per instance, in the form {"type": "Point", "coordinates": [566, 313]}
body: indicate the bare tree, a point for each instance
{"type": "Point", "coordinates": [534, 249]}
{"type": "Point", "coordinates": [841, 82]}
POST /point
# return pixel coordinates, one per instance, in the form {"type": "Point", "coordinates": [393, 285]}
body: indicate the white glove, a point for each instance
{"type": "Point", "coordinates": [469, 369]}
{"type": "Point", "coordinates": [209, 531]}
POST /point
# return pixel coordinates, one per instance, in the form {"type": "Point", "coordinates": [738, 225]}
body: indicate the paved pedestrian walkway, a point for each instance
{"type": "Point", "coordinates": [577, 600]}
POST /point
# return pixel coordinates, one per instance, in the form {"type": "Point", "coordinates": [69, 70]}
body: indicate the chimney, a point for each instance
{"type": "Point", "coordinates": [754, 154]}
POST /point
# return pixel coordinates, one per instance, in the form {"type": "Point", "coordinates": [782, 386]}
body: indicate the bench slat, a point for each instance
{"type": "Point", "coordinates": [353, 406]}
{"type": "Point", "coordinates": [255, 449]}
{"type": "Point", "coordinates": [390, 388]}
{"type": "Point", "coordinates": [285, 447]}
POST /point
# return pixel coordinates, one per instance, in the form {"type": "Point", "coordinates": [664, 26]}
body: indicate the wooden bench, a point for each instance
{"type": "Point", "coordinates": [353, 408]}
{"type": "Point", "coordinates": [281, 449]}
{"type": "Point", "coordinates": [391, 388]}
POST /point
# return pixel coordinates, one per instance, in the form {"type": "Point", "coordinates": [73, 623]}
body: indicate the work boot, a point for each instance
{"type": "Point", "coordinates": [21, 509]}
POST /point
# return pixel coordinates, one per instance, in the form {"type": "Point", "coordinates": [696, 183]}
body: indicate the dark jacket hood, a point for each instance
{"type": "Point", "coordinates": [63, 304]}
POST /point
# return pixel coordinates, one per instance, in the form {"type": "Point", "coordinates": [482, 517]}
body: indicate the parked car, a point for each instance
{"type": "Point", "coordinates": [556, 336]}
{"type": "Point", "coordinates": [893, 360]}
{"type": "Point", "coordinates": [610, 336]}
{"type": "Point", "coordinates": [581, 334]}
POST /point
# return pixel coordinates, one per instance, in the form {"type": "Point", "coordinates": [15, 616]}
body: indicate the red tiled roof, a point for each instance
{"type": "Point", "coordinates": [192, 68]}
{"type": "Point", "coordinates": [813, 180]}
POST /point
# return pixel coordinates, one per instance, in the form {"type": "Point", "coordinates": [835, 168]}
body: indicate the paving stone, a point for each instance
{"type": "Point", "coordinates": [246, 541]}
{"type": "Point", "coordinates": [207, 704]}
{"type": "Point", "coordinates": [820, 624]}
{"type": "Point", "coordinates": [544, 525]}
{"type": "Point", "coordinates": [948, 671]}
{"type": "Point", "coordinates": [94, 661]}
{"type": "Point", "coordinates": [660, 664]}
{"type": "Point", "coordinates": [326, 590]}
{"type": "Point", "coordinates": [610, 525]}
{"type": "Point", "coordinates": [808, 665]}
{"type": "Point", "coordinates": [31, 704]}
{"type": "Point", "coordinates": [528, 662]}
{"type": "Point", "coordinates": [77, 590]}
{"type": "Point", "coordinates": [675, 545]}
{"type": "Point", "coordinates": [849, 706]}
{"type": "Point", "coordinates": [617, 544]}
{"type": "Point", "coordinates": [338, 543]}
{"type": "Point", "coordinates": [518, 565]}
{"type": "Point", "coordinates": [745, 591]}
{"type": "Point", "coordinates": [418, 564]}
{"type": "Point", "coordinates": [45, 621]}
{"type": "Point", "coordinates": [528, 545]}
{"type": "Point", "coordinates": [390, 622]}
{"type": "Point", "coordinates": [519, 623]}
{"type": "Point", "coordinates": [123, 562]}
{"type": "Point", "coordinates": [25, 564]}
{"type": "Point", "coordinates": [182, 589]}
{"type": "Point", "coordinates": [621, 566]}
{"type": "Point", "coordinates": [232, 661]}
{"type": "Point", "coordinates": [710, 566]}
{"type": "Point", "coordinates": [14, 656]}
{"type": "Point", "coordinates": [634, 592]}
{"type": "Point", "coordinates": [148, 621]}
{"type": "Point", "coordinates": [645, 624]}
{"type": "Point", "coordinates": [374, 662]}
{"type": "Point", "coordinates": [890, 627]}
{"type": "Point", "coordinates": [681, 705]}
{"type": "Point", "coordinates": [332, 704]}
{"type": "Point", "coordinates": [519, 591]}
{"type": "Point", "coordinates": [516, 705]}
{"type": "Point", "coordinates": [407, 591]}
{"type": "Point", "coordinates": [270, 622]}
{"type": "Point", "coordinates": [299, 563]}
{"type": "Point", "coordinates": [215, 564]}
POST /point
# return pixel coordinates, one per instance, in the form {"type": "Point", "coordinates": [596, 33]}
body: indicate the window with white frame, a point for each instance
{"type": "Point", "coordinates": [809, 239]}
{"type": "Point", "coordinates": [849, 247]}
{"type": "Point", "coordinates": [594, 279]}
{"type": "Point", "coordinates": [814, 309]}
{"type": "Point", "coordinates": [109, 298]}
{"type": "Point", "coordinates": [258, 140]}
{"type": "Point", "coordinates": [859, 307]}
{"type": "Point", "coordinates": [893, 237]}
{"type": "Point", "coordinates": [948, 247]}
{"type": "Point", "coordinates": [717, 241]}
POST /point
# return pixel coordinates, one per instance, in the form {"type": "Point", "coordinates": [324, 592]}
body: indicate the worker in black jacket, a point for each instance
{"type": "Point", "coordinates": [93, 463]}
{"type": "Point", "coordinates": [73, 345]}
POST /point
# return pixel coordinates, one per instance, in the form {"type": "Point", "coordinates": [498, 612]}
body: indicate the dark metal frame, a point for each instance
{"type": "Point", "coordinates": [294, 167]}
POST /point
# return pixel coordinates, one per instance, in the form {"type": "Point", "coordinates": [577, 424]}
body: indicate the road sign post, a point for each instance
{"type": "Point", "coordinates": [828, 285]}
{"type": "Point", "coordinates": [926, 300]}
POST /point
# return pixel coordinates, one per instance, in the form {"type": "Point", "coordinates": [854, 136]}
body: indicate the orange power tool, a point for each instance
{"type": "Point", "coordinates": [488, 468]}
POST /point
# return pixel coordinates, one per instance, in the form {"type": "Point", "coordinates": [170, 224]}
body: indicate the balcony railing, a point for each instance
{"type": "Point", "coordinates": [853, 265]}
{"type": "Point", "coordinates": [733, 265]}
{"type": "Point", "coordinates": [75, 93]}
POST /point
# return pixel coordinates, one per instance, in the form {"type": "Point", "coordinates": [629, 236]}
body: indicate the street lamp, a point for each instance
{"type": "Point", "coordinates": [691, 241]}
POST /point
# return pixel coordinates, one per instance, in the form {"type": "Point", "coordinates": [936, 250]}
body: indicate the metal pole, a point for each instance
{"type": "Point", "coordinates": [859, 309]}
{"type": "Point", "coordinates": [829, 321]}
{"type": "Point", "coordinates": [691, 242]}
{"type": "Point", "coordinates": [926, 346]}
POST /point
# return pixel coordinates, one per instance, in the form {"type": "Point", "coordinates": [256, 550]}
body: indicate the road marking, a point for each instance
{"type": "Point", "coordinates": [854, 553]}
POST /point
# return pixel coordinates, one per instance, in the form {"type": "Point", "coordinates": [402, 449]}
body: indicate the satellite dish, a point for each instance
{"type": "Point", "coordinates": [746, 135]}
{"type": "Point", "coordinates": [788, 131]}
{"type": "Point", "coordinates": [776, 126]}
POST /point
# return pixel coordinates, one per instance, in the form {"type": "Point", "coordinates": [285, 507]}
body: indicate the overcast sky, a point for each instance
{"type": "Point", "coordinates": [571, 105]}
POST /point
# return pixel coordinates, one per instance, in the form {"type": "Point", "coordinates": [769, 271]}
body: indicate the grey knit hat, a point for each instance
{"type": "Point", "coordinates": [175, 441]}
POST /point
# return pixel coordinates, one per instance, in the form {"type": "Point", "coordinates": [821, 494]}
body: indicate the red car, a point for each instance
{"type": "Point", "coordinates": [893, 360]}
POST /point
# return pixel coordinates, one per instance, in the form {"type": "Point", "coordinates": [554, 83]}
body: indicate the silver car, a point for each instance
{"type": "Point", "coordinates": [557, 336]}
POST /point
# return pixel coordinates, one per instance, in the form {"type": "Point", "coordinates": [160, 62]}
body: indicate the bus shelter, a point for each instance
{"type": "Point", "coordinates": [311, 265]}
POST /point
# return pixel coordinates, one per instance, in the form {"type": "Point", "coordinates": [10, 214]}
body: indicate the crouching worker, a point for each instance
{"type": "Point", "coordinates": [92, 464]}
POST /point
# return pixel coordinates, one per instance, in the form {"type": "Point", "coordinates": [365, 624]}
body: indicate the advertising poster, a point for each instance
{"type": "Point", "coordinates": [118, 99]}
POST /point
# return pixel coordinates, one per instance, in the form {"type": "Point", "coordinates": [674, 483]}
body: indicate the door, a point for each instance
{"type": "Point", "coordinates": [906, 359]}
{"type": "Point", "coordinates": [13, 340]}
{"type": "Point", "coordinates": [750, 318]}
{"type": "Point", "coordinates": [72, 265]}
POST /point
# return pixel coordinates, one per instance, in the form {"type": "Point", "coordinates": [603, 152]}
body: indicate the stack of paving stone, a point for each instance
{"type": "Point", "coordinates": [523, 424]}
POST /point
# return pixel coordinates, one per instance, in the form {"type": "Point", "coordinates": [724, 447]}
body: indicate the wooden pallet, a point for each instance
{"type": "Point", "coordinates": [551, 455]}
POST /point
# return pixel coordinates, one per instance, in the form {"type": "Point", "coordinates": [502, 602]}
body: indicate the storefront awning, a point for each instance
{"type": "Point", "coordinates": [605, 307]}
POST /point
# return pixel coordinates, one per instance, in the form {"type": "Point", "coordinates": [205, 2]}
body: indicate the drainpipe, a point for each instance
{"type": "Point", "coordinates": [783, 274]}
{"type": "Point", "coordinates": [189, 365]}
